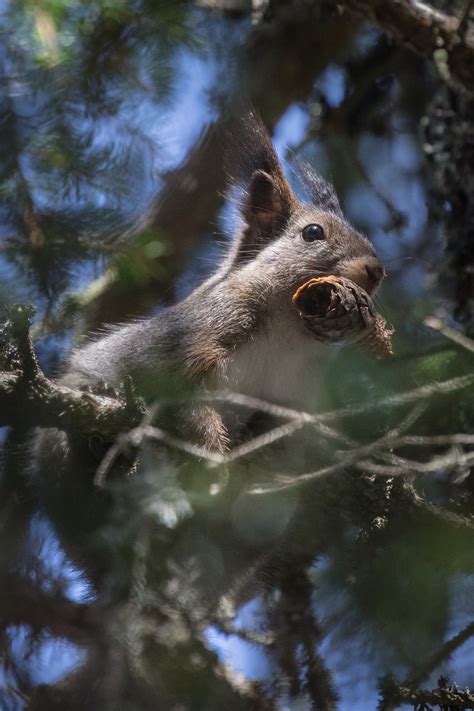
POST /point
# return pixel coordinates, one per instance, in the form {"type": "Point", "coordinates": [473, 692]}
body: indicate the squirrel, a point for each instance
{"type": "Point", "coordinates": [238, 330]}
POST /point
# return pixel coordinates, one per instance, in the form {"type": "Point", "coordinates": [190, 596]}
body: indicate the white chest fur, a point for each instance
{"type": "Point", "coordinates": [280, 364]}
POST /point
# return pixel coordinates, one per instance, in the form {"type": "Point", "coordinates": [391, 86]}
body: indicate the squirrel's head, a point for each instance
{"type": "Point", "coordinates": [289, 241]}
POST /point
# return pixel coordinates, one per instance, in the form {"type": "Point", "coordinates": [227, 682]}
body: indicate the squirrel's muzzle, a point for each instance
{"type": "Point", "coordinates": [367, 272]}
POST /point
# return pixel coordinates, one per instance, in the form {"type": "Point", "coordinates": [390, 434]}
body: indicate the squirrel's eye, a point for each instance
{"type": "Point", "coordinates": [311, 233]}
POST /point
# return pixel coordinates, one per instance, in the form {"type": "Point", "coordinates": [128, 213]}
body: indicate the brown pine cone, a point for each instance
{"type": "Point", "coordinates": [337, 310]}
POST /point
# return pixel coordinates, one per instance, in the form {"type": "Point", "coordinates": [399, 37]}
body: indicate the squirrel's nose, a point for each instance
{"type": "Point", "coordinates": [366, 271]}
{"type": "Point", "coordinates": [375, 271]}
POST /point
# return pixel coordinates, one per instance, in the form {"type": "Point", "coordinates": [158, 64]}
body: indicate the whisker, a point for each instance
{"type": "Point", "coordinates": [394, 260]}
{"type": "Point", "coordinates": [382, 307]}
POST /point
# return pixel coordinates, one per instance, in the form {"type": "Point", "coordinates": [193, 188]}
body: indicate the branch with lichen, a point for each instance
{"type": "Point", "coordinates": [427, 31]}
{"type": "Point", "coordinates": [393, 694]}
{"type": "Point", "coordinates": [29, 399]}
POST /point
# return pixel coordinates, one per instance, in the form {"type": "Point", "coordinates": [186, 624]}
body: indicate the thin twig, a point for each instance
{"type": "Point", "coordinates": [297, 420]}
{"type": "Point", "coordinates": [445, 651]}
{"type": "Point", "coordinates": [265, 639]}
{"type": "Point", "coordinates": [434, 440]}
{"type": "Point", "coordinates": [265, 439]}
{"type": "Point", "coordinates": [404, 466]}
{"type": "Point", "coordinates": [438, 324]}
{"type": "Point", "coordinates": [405, 398]}
{"type": "Point", "coordinates": [352, 457]}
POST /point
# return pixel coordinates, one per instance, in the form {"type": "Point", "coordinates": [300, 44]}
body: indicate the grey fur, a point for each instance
{"type": "Point", "coordinates": [320, 191]}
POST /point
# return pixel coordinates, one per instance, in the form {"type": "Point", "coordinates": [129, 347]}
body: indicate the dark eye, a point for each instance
{"type": "Point", "coordinates": [311, 233]}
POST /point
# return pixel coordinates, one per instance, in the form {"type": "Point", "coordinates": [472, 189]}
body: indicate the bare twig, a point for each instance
{"type": "Point", "coordinates": [136, 436]}
{"type": "Point", "coordinates": [454, 458]}
{"type": "Point", "coordinates": [438, 324]}
{"type": "Point", "coordinates": [399, 400]}
{"type": "Point", "coordinates": [297, 421]}
{"type": "Point", "coordinates": [441, 655]}
{"type": "Point", "coordinates": [351, 457]}
{"type": "Point", "coordinates": [265, 639]}
{"type": "Point", "coordinates": [434, 440]}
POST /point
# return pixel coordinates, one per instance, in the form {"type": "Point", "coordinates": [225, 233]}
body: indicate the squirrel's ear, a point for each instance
{"type": "Point", "coordinates": [266, 210]}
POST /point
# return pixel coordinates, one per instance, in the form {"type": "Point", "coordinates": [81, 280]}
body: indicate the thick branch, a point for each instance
{"type": "Point", "coordinates": [39, 610]}
{"type": "Point", "coordinates": [28, 398]}
{"type": "Point", "coordinates": [425, 30]}
{"type": "Point", "coordinates": [394, 695]}
{"type": "Point", "coordinates": [43, 403]}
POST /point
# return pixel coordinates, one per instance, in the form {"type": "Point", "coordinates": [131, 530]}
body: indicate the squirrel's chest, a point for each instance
{"type": "Point", "coordinates": [280, 365]}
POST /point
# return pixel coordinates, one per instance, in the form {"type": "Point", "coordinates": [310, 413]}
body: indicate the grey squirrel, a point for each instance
{"type": "Point", "coordinates": [238, 330]}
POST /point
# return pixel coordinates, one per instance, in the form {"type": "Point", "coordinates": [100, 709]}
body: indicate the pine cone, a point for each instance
{"type": "Point", "coordinates": [337, 310]}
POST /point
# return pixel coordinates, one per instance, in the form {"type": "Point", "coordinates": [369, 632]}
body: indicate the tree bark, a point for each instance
{"type": "Point", "coordinates": [427, 31]}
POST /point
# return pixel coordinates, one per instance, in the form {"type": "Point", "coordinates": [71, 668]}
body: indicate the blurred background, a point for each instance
{"type": "Point", "coordinates": [112, 206]}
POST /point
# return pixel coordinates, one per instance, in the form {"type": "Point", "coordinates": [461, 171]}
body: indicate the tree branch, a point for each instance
{"type": "Point", "coordinates": [441, 655]}
{"type": "Point", "coordinates": [427, 31]}
{"type": "Point", "coordinates": [28, 398]}
{"type": "Point", "coordinates": [394, 694]}
{"type": "Point", "coordinates": [437, 324]}
{"type": "Point", "coordinates": [32, 606]}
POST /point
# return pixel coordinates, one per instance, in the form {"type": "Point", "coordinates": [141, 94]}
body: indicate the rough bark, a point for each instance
{"type": "Point", "coordinates": [29, 399]}
{"type": "Point", "coordinates": [424, 29]}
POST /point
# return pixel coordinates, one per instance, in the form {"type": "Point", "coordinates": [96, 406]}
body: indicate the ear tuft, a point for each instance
{"type": "Point", "coordinates": [320, 191]}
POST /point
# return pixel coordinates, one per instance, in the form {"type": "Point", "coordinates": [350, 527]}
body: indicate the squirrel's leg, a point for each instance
{"type": "Point", "coordinates": [204, 426]}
